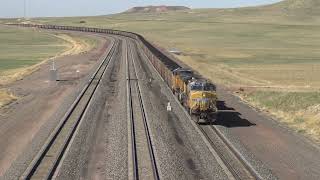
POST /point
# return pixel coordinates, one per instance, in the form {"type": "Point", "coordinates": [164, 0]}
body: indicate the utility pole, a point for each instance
{"type": "Point", "coordinates": [25, 9]}
{"type": "Point", "coordinates": [53, 65]}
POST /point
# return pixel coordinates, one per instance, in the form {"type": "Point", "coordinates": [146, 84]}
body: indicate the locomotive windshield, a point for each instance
{"type": "Point", "coordinates": [202, 87]}
{"type": "Point", "coordinates": [209, 87]}
{"type": "Point", "coordinates": [196, 87]}
{"type": "Point", "coordinates": [186, 73]}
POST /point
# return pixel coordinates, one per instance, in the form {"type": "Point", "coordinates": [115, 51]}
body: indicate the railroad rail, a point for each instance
{"type": "Point", "coordinates": [142, 154]}
{"type": "Point", "coordinates": [163, 65]}
{"type": "Point", "coordinates": [48, 159]}
{"type": "Point", "coordinates": [232, 159]}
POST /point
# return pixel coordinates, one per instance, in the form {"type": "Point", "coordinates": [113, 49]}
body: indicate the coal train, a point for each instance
{"type": "Point", "coordinates": [197, 94]}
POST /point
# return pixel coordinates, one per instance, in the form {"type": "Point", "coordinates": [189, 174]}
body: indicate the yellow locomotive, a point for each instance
{"type": "Point", "coordinates": [180, 81]}
{"type": "Point", "coordinates": [197, 95]}
{"type": "Point", "coordinates": [202, 99]}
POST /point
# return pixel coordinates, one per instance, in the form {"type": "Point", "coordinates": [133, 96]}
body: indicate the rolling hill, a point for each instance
{"type": "Point", "coordinates": [285, 12]}
{"type": "Point", "coordinates": [305, 7]}
{"type": "Point", "coordinates": [292, 11]}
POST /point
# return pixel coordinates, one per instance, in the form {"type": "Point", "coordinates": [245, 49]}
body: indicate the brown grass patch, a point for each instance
{"type": "Point", "coordinates": [74, 45]}
{"type": "Point", "coordinates": [10, 76]}
{"type": "Point", "coordinates": [6, 97]}
{"type": "Point", "coordinates": [294, 109]}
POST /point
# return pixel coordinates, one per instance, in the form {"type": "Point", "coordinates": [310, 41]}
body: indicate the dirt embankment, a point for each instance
{"type": "Point", "coordinates": [6, 97]}
{"type": "Point", "coordinates": [74, 45]}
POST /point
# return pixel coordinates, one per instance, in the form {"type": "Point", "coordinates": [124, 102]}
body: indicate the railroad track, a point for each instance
{"type": "Point", "coordinates": [143, 164]}
{"type": "Point", "coordinates": [237, 166]}
{"type": "Point", "coordinates": [45, 163]}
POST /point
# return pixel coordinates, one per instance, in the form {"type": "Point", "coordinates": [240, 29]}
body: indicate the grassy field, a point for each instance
{"type": "Point", "coordinates": [272, 52]}
{"type": "Point", "coordinates": [299, 110]}
{"type": "Point", "coordinates": [21, 47]}
{"type": "Point", "coordinates": [238, 51]}
{"type": "Point", "coordinates": [21, 51]}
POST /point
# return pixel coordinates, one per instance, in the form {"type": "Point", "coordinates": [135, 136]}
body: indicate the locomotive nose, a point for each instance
{"type": "Point", "coordinates": [204, 104]}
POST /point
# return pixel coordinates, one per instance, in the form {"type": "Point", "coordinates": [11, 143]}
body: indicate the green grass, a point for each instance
{"type": "Point", "coordinates": [24, 47]}
{"type": "Point", "coordinates": [21, 49]}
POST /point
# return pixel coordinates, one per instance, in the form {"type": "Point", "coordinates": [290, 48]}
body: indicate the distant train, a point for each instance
{"type": "Point", "coordinates": [195, 93]}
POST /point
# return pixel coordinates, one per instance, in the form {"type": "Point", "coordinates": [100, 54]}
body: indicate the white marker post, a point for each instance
{"type": "Point", "coordinates": [169, 108]}
{"type": "Point", "coordinates": [78, 73]}
{"type": "Point", "coordinates": [53, 72]}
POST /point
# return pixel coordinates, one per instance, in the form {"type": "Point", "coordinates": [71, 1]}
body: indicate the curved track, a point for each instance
{"type": "Point", "coordinates": [233, 161]}
{"type": "Point", "coordinates": [47, 160]}
{"type": "Point", "coordinates": [143, 159]}
{"type": "Point", "coordinates": [143, 163]}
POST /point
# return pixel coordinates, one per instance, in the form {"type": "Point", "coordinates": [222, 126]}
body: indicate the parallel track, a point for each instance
{"type": "Point", "coordinates": [48, 159]}
{"type": "Point", "coordinates": [138, 116]}
{"type": "Point", "coordinates": [237, 165]}
{"type": "Point", "coordinates": [232, 160]}
{"type": "Point", "coordinates": [244, 171]}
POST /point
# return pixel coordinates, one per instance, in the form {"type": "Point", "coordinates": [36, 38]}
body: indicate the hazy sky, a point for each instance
{"type": "Point", "coordinates": [36, 8]}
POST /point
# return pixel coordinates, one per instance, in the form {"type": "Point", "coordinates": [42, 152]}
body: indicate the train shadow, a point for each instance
{"type": "Point", "coordinates": [228, 117]}
{"type": "Point", "coordinates": [66, 81]}
{"type": "Point", "coordinates": [221, 105]}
